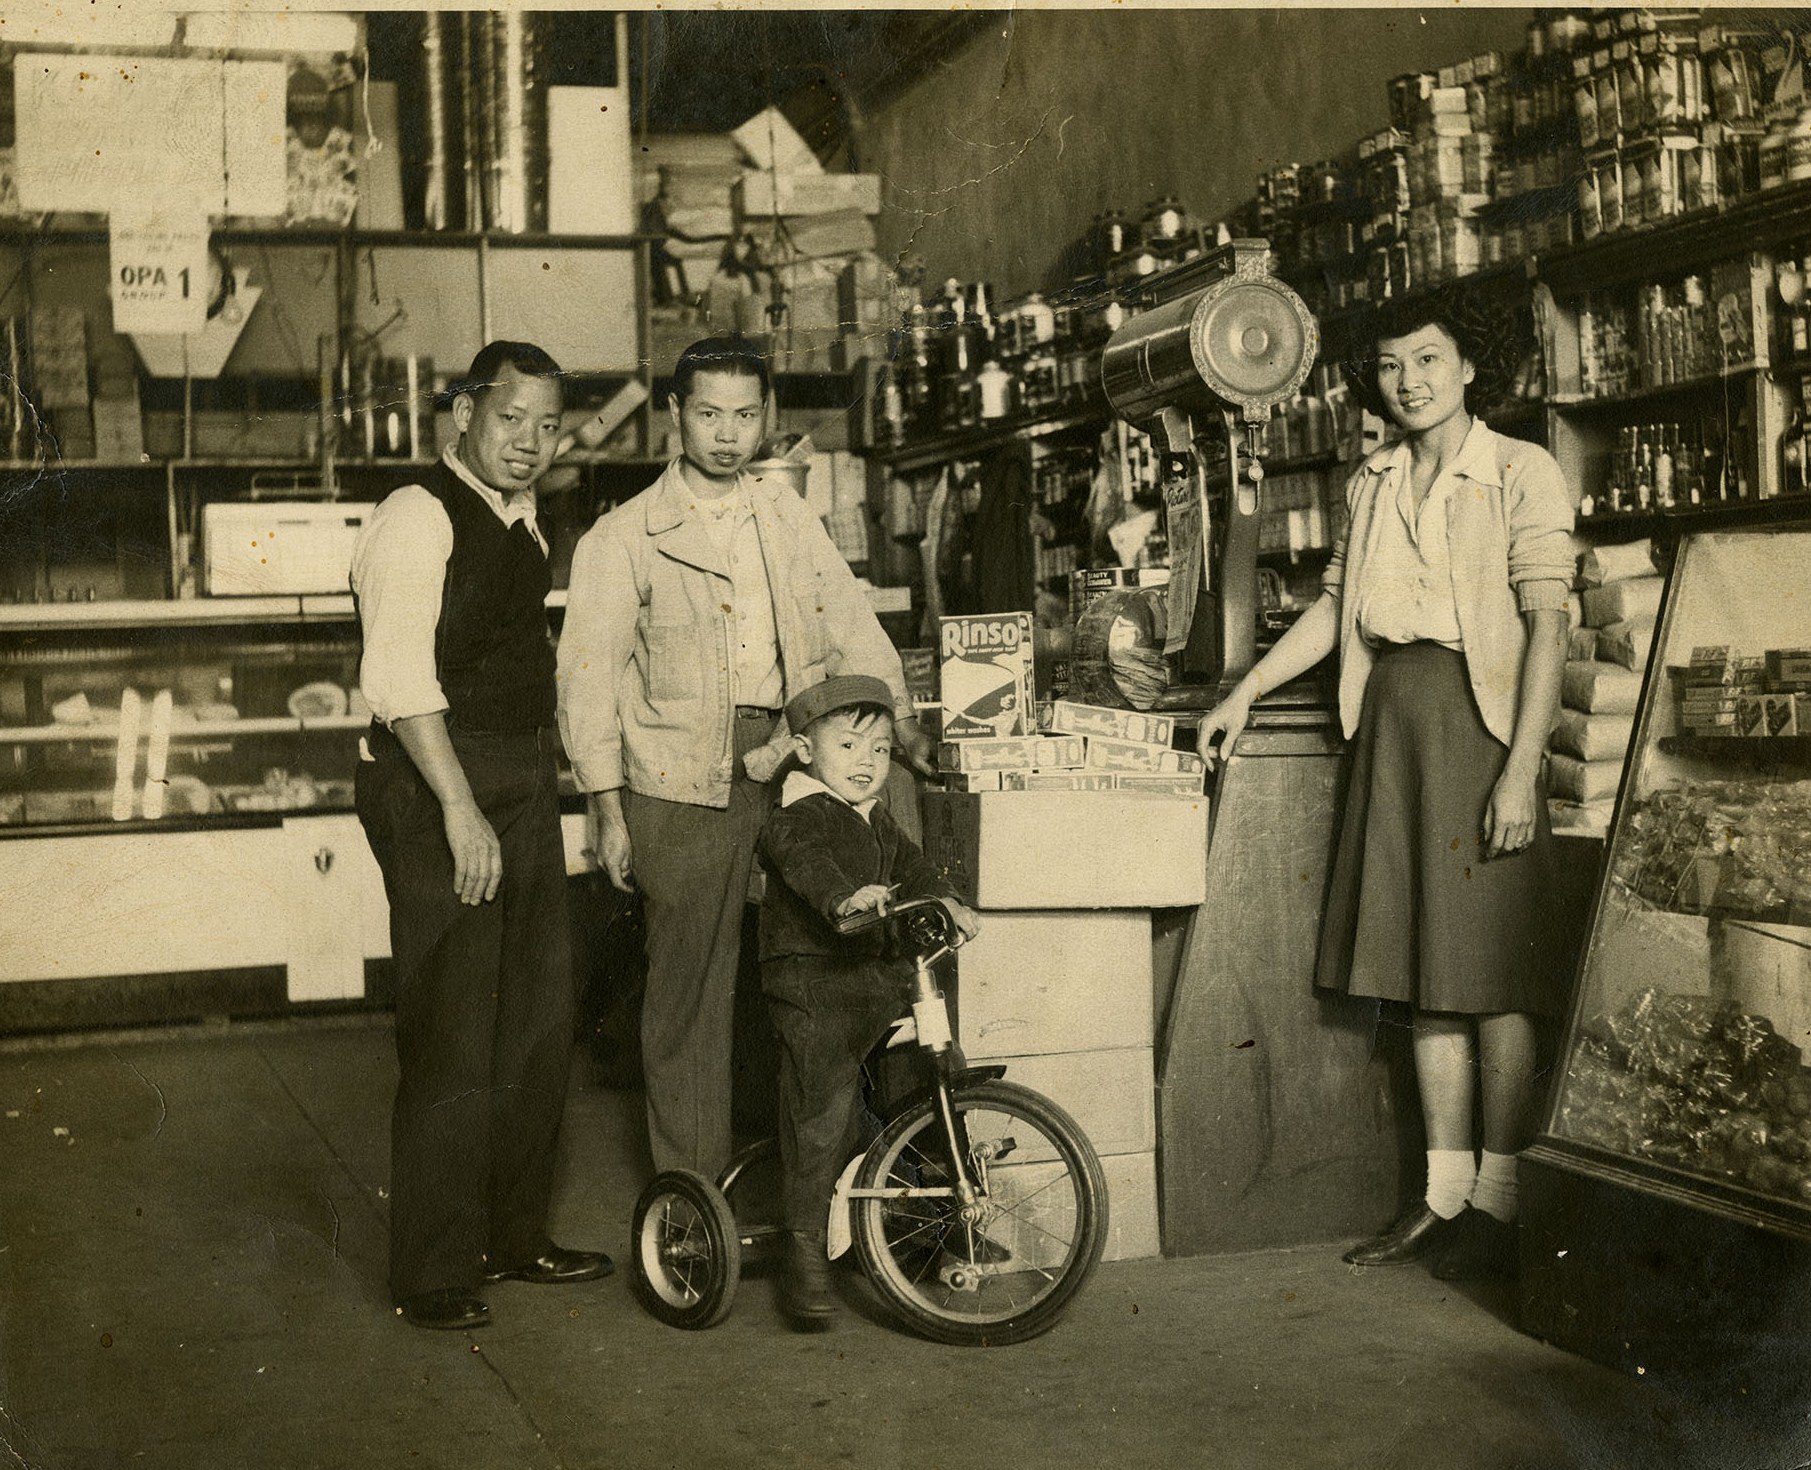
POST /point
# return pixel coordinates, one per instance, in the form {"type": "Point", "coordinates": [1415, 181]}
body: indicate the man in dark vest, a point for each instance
{"type": "Point", "coordinates": [457, 795]}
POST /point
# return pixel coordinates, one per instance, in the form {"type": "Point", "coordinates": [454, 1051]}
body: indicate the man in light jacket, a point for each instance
{"type": "Point", "coordinates": [696, 611]}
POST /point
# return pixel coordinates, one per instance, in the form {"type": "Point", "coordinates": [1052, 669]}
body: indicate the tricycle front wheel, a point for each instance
{"type": "Point", "coordinates": [1006, 1267]}
{"type": "Point", "coordinates": [685, 1256]}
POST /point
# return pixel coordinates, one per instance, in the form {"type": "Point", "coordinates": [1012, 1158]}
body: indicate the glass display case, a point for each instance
{"type": "Point", "coordinates": [177, 711]}
{"type": "Point", "coordinates": [1684, 1067]}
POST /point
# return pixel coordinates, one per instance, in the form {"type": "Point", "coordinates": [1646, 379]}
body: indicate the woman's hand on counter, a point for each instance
{"type": "Point", "coordinates": [1221, 727]}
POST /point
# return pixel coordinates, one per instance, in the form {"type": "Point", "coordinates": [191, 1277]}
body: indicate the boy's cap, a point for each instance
{"type": "Point", "coordinates": [844, 690]}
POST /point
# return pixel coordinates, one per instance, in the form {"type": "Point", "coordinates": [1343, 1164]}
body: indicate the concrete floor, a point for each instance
{"type": "Point", "coordinates": [192, 1242]}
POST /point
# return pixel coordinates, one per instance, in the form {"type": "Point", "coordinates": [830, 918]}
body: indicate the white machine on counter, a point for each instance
{"type": "Point", "coordinates": [268, 548]}
{"type": "Point", "coordinates": [1197, 357]}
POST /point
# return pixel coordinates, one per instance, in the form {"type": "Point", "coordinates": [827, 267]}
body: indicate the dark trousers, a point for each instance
{"type": "Point", "coordinates": [692, 865]}
{"type": "Point", "coordinates": [828, 1014]}
{"type": "Point", "coordinates": [484, 1011]}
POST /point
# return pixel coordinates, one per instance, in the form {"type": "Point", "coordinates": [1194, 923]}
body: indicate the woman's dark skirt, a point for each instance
{"type": "Point", "coordinates": [1415, 912]}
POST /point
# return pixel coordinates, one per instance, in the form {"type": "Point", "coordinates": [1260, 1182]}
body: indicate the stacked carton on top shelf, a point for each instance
{"type": "Point", "coordinates": [752, 219]}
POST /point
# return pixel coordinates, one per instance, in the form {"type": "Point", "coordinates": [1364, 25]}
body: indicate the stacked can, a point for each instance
{"type": "Point", "coordinates": [484, 94]}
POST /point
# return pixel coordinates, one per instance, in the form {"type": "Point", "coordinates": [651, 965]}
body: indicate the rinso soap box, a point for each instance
{"type": "Point", "coordinates": [986, 676]}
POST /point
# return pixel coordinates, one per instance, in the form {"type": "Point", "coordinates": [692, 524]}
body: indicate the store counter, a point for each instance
{"type": "Point", "coordinates": [1282, 1120]}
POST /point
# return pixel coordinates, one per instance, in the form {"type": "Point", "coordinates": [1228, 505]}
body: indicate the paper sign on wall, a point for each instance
{"type": "Point", "coordinates": [99, 132]}
{"type": "Point", "coordinates": [158, 275]}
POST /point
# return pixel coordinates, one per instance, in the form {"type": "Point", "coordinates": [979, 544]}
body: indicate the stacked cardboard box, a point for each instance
{"type": "Point", "coordinates": [751, 215]}
{"type": "Point", "coordinates": [990, 743]}
{"type": "Point", "coordinates": [1450, 166]}
{"type": "Point", "coordinates": [1057, 836]}
{"type": "Point", "coordinates": [1601, 686]}
{"type": "Point", "coordinates": [1724, 694]}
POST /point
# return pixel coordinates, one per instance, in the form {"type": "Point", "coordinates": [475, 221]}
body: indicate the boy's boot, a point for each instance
{"type": "Point", "coordinates": [806, 1295]}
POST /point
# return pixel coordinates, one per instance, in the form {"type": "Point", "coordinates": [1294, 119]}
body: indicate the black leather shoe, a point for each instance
{"type": "Point", "coordinates": [557, 1266]}
{"type": "Point", "coordinates": [1418, 1233]}
{"type": "Point", "coordinates": [1483, 1246]}
{"type": "Point", "coordinates": [806, 1296]}
{"type": "Point", "coordinates": [450, 1309]}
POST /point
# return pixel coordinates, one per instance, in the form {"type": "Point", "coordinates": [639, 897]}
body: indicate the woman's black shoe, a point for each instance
{"type": "Point", "coordinates": [1418, 1233]}
{"type": "Point", "coordinates": [1482, 1246]}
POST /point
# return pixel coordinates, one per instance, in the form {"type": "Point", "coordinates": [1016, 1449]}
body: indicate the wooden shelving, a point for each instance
{"type": "Point", "coordinates": [972, 443]}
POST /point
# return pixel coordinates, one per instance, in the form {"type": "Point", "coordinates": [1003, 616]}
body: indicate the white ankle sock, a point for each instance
{"type": "Point", "coordinates": [1450, 1175]}
{"type": "Point", "coordinates": [1495, 1191]}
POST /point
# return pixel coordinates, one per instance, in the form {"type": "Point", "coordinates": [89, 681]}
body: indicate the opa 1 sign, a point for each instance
{"type": "Point", "coordinates": [158, 278]}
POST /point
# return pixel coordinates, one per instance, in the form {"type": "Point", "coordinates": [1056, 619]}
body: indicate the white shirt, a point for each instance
{"type": "Point", "coordinates": [729, 520]}
{"type": "Point", "coordinates": [398, 572]}
{"type": "Point", "coordinates": [1408, 596]}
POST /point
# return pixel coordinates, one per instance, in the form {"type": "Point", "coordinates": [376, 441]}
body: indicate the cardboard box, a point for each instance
{"type": "Point", "coordinates": [1016, 753]}
{"type": "Point", "coordinates": [1738, 291]}
{"type": "Point", "coordinates": [1107, 754]}
{"type": "Point", "coordinates": [864, 297]}
{"type": "Point", "coordinates": [1779, 715]}
{"type": "Point", "coordinates": [920, 665]}
{"type": "Point", "coordinates": [1165, 783]}
{"type": "Point", "coordinates": [1053, 981]}
{"type": "Point", "coordinates": [1132, 1231]}
{"type": "Point", "coordinates": [986, 679]}
{"type": "Point", "coordinates": [1132, 1228]}
{"type": "Point", "coordinates": [1074, 718]}
{"type": "Point", "coordinates": [1058, 781]}
{"type": "Point", "coordinates": [769, 141]}
{"type": "Point", "coordinates": [972, 780]}
{"type": "Point", "coordinates": [760, 194]}
{"type": "Point", "coordinates": [1111, 1093]}
{"type": "Point", "coordinates": [1070, 850]}
{"type": "Point", "coordinates": [1789, 670]}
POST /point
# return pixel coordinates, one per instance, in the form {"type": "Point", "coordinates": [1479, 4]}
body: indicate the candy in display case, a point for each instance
{"type": "Point", "coordinates": [1684, 1068]}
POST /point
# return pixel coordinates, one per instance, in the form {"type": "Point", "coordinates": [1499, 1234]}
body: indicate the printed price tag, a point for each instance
{"type": "Point", "coordinates": [159, 277]}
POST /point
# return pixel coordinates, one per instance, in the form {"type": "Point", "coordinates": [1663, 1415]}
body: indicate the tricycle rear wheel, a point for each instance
{"type": "Point", "coordinates": [684, 1254]}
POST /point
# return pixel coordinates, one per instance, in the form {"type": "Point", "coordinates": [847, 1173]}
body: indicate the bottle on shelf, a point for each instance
{"type": "Point", "coordinates": [1664, 461]}
{"type": "Point", "coordinates": [1789, 285]}
{"type": "Point", "coordinates": [1795, 470]}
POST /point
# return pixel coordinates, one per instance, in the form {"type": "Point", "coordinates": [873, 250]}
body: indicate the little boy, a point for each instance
{"type": "Point", "coordinates": [831, 849]}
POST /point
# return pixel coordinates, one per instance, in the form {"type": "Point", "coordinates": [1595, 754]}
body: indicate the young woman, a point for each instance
{"type": "Point", "coordinates": [1446, 599]}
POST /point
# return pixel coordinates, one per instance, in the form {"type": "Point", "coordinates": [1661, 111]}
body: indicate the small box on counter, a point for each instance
{"type": "Point", "coordinates": [1106, 754]}
{"type": "Point", "coordinates": [1073, 718]}
{"type": "Point", "coordinates": [971, 780]}
{"type": "Point", "coordinates": [1167, 783]}
{"type": "Point", "coordinates": [986, 678]}
{"type": "Point", "coordinates": [1020, 753]}
{"type": "Point", "coordinates": [1749, 716]}
{"type": "Point", "coordinates": [1779, 714]}
{"type": "Point", "coordinates": [1789, 670]}
{"type": "Point", "coordinates": [1058, 781]}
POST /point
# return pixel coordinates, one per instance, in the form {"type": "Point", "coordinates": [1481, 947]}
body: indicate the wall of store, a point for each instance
{"type": "Point", "coordinates": [1000, 158]}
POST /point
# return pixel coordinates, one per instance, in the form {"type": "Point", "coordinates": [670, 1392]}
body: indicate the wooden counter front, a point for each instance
{"type": "Point", "coordinates": [1284, 1118]}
